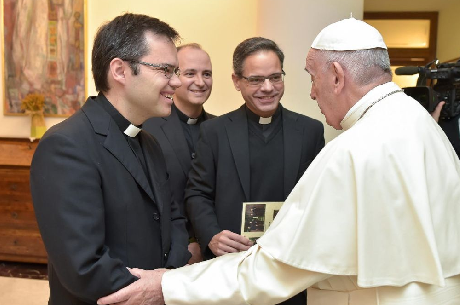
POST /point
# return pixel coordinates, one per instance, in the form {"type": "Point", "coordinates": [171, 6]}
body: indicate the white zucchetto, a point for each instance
{"type": "Point", "coordinates": [348, 35]}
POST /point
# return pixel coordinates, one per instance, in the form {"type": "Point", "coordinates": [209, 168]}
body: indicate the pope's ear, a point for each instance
{"type": "Point", "coordinates": [236, 81]}
{"type": "Point", "coordinates": [339, 77]}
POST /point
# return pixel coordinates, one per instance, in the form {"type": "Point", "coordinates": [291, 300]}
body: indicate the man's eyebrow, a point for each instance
{"type": "Point", "coordinates": [307, 70]}
{"type": "Point", "coordinates": [165, 64]}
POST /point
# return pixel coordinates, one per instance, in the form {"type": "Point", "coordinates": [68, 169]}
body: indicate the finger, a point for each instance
{"type": "Point", "coordinates": [239, 246]}
{"type": "Point", "coordinates": [230, 242]}
{"type": "Point", "coordinates": [221, 248]}
{"type": "Point", "coordinates": [242, 247]}
{"type": "Point", "coordinates": [241, 240]}
{"type": "Point", "coordinates": [437, 111]}
{"type": "Point", "coordinates": [136, 272]}
{"type": "Point", "coordinates": [116, 297]}
{"type": "Point", "coordinates": [439, 106]}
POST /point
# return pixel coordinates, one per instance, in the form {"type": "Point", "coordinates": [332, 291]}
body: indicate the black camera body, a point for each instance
{"type": "Point", "coordinates": [445, 86]}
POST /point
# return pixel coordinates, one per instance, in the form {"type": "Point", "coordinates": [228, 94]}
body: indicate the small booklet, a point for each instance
{"type": "Point", "coordinates": [257, 217]}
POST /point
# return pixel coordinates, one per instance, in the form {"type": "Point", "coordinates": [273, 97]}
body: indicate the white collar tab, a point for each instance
{"type": "Point", "coordinates": [265, 121]}
{"type": "Point", "coordinates": [132, 131]}
{"type": "Point", "coordinates": [191, 121]}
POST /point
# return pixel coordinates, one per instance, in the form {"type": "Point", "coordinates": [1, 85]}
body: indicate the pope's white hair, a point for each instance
{"type": "Point", "coordinates": [364, 66]}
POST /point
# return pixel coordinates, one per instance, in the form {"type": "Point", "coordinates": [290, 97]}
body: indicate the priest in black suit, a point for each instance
{"type": "Point", "coordinates": [178, 133]}
{"type": "Point", "coordinates": [99, 183]}
{"type": "Point", "coordinates": [255, 153]}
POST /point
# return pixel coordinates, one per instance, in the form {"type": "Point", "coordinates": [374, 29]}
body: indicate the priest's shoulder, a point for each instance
{"type": "Point", "coordinates": [303, 119]}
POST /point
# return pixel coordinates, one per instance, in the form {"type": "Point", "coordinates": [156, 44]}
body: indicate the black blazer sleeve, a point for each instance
{"type": "Point", "coordinates": [175, 235]}
{"type": "Point", "coordinates": [312, 142]}
{"type": "Point", "coordinates": [319, 132]}
{"type": "Point", "coordinates": [67, 196]}
{"type": "Point", "coordinates": [200, 192]}
{"type": "Point", "coordinates": [179, 254]}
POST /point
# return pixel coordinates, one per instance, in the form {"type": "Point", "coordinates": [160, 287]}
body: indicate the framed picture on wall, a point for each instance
{"type": "Point", "coordinates": [43, 51]}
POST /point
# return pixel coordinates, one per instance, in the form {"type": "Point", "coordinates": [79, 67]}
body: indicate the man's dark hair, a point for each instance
{"type": "Point", "coordinates": [251, 46]}
{"type": "Point", "coordinates": [124, 38]}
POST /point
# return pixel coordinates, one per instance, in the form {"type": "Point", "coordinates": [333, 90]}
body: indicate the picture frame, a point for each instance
{"type": "Point", "coordinates": [44, 52]}
{"type": "Point", "coordinates": [409, 55]}
{"type": "Point", "coordinates": [256, 218]}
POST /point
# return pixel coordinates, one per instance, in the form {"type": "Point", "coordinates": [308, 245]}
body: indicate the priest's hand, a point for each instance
{"type": "Point", "coordinates": [437, 111]}
{"type": "Point", "coordinates": [228, 242]}
{"type": "Point", "coordinates": [194, 249]}
{"type": "Point", "coordinates": [146, 290]}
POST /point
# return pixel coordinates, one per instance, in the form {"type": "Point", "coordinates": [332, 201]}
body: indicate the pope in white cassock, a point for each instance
{"type": "Point", "coordinates": [374, 220]}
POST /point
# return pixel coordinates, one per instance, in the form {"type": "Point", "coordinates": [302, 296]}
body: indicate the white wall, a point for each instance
{"type": "Point", "coordinates": [294, 25]}
{"type": "Point", "coordinates": [219, 25]}
{"type": "Point", "coordinates": [448, 44]}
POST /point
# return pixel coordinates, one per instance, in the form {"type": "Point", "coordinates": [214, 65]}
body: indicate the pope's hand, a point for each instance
{"type": "Point", "coordinates": [146, 290]}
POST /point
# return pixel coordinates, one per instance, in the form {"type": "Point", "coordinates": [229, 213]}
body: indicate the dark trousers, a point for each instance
{"type": "Point", "coordinates": [298, 299]}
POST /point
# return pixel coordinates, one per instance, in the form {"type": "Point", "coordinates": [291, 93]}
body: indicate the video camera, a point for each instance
{"type": "Point", "coordinates": [444, 86]}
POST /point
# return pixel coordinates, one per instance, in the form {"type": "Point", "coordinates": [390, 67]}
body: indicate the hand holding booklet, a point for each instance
{"type": "Point", "coordinates": [257, 217]}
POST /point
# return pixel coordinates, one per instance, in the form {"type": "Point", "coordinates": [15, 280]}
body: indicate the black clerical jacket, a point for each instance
{"type": "Point", "coordinates": [219, 181]}
{"type": "Point", "coordinates": [96, 209]}
{"type": "Point", "coordinates": [168, 131]}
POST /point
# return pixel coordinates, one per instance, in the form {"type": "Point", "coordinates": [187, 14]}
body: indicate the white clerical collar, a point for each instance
{"type": "Point", "coordinates": [265, 121]}
{"type": "Point", "coordinates": [132, 131]}
{"type": "Point", "coordinates": [191, 121]}
{"type": "Point", "coordinates": [374, 95]}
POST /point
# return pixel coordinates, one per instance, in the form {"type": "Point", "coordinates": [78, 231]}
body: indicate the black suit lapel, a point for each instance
{"type": "Point", "coordinates": [173, 131]}
{"type": "Point", "coordinates": [118, 146]}
{"type": "Point", "coordinates": [292, 150]}
{"type": "Point", "coordinates": [237, 132]}
{"type": "Point", "coordinates": [151, 157]}
{"type": "Point", "coordinates": [115, 142]}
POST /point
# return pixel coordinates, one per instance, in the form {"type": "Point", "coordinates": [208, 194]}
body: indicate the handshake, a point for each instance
{"type": "Point", "coordinates": [146, 290]}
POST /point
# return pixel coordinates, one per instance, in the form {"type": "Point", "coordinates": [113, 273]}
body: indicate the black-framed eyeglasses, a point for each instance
{"type": "Point", "coordinates": [275, 78]}
{"type": "Point", "coordinates": [168, 70]}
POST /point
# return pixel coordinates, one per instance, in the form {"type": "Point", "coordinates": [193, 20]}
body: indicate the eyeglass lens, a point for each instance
{"type": "Point", "coordinates": [259, 80]}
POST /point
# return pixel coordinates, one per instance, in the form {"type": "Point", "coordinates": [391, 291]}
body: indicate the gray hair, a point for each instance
{"type": "Point", "coordinates": [364, 66]}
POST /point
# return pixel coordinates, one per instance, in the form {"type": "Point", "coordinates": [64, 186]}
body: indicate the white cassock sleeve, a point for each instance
{"type": "Point", "coordinates": [251, 277]}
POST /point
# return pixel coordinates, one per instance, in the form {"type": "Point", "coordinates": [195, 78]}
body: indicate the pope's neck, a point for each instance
{"type": "Point", "coordinates": [361, 90]}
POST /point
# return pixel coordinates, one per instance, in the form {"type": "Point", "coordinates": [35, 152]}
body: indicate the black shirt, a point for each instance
{"type": "Point", "coordinates": [266, 157]}
{"type": "Point", "coordinates": [122, 123]}
{"type": "Point", "coordinates": [191, 127]}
